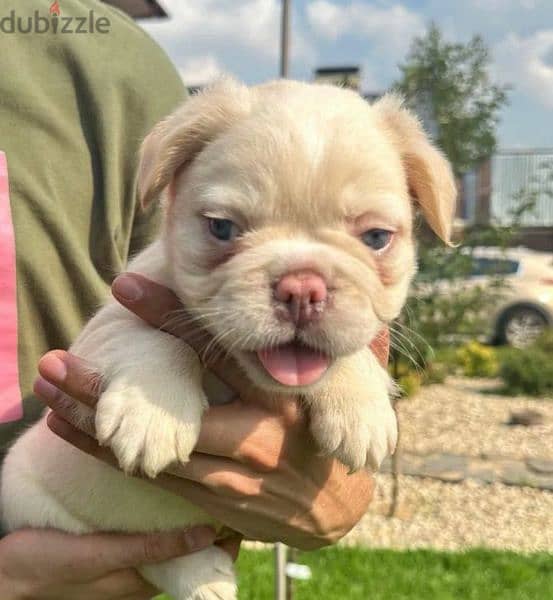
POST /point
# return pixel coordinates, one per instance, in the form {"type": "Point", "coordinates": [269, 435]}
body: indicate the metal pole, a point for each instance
{"type": "Point", "coordinates": [281, 588]}
{"type": "Point", "coordinates": [280, 571]}
{"type": "Point", "coordinates": [284, 38]}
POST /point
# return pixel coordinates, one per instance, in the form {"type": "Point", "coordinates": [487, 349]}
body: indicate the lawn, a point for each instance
{"type": "Point", "coordinates": [355, 574]}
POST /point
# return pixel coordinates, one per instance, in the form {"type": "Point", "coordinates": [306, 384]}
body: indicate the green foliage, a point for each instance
{"type": "Point", "coordinates": [435, 372]}
{"type": "Point", "coordinates": [357, 574]}
{"type": "Point", "coordinates": [442, 310]}
{"type": "Point", "coordinates": [544, 342]}
{"type": "Point", "coordinates": [409, 383]}
{"type": "Point", "coordinates": [530, 370]}
{"type": "Point", "coordinates": [451, 81]}
{"type": "Point", "coordinates": [477, 360]}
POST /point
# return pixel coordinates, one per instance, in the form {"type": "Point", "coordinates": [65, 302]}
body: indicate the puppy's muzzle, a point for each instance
{"type": "Point", "coordinates": [300, 297]}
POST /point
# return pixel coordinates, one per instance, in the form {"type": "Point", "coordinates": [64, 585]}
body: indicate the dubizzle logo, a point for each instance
{"type": "Point", "coordinates": [54, 23]}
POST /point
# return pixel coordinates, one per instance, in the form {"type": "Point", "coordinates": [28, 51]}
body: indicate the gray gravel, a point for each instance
{"type": "Point", "coordinates": [438, 515]}
{"type": "Point", "coordinates": [458, 419]}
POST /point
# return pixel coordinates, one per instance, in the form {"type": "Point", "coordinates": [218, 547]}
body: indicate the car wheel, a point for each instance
{"type": "Point", "coordinates": [519, 326]}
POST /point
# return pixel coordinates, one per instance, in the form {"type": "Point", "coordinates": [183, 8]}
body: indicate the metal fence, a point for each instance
{"type": "Point", "coordinates": [530, 172]}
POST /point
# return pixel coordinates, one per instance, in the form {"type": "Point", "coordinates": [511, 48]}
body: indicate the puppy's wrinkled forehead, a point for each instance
{"type": "Point", "coordinates": [291, 160]}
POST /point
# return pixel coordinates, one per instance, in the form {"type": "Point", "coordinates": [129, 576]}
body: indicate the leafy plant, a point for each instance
{"type": "Point", "coordinates": [409, 383]}
{"type": "Point", "coordinates": [450, 83]}
{"type": "Point", "coordinates": [477, 360]}
{"type": "Point", "coordinates": [530, 370]}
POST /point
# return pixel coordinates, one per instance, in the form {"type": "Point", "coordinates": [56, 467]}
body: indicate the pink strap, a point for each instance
{"type": "Point", "coordinates": [11, 408]}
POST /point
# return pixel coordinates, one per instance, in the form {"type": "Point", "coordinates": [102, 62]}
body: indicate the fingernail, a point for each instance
{"type": "Point", "coordinates": [199, 537]}
{"type": "Point", "coordinates": [53, 367]}
{"type": "Point", "coordinates": [45, 390]}
{"type": "Point", "coordinates": [127, 288]}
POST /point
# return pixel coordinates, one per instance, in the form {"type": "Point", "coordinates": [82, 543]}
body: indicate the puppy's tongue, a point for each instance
{"type": "Point", "coordinates": [292, 364]}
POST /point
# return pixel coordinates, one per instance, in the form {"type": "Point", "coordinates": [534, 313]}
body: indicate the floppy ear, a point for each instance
{"type": "Point", "coordinates": [429, 175]}
{"type": "Point", "coordinates": [181, 136]}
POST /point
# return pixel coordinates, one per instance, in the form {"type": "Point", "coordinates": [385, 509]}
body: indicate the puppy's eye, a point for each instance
{"type": "Point", "coordinates": [223, 229]}
{"type": "Point", "coordinates": [377, 239]}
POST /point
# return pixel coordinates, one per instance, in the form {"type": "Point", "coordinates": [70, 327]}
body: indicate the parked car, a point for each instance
{"type": "Point", "coordinates": [527, 307]}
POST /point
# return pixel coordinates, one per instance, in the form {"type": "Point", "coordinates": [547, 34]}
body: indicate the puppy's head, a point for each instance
{"type": "Point", "coordinates": [289, 212]}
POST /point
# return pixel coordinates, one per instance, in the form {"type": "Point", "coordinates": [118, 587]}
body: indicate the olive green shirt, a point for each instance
{"type": "Point", "coordinates": [74, 108]}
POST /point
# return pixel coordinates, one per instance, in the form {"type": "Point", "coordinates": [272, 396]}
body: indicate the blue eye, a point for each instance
{"type": "Point", "coordinates": [223, 229]}
{"type": "Point", "coordinates": [377, 239]}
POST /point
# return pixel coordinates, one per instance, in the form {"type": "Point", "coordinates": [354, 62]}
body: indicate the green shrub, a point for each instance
{"type": "Point", "coordinates": [528, 371]}
{"type": "Point", "coordinates": [544, 341]}
{"type": "Point", "coordinates": [409, 383]}
{"type": "Point", "coordinates": [435, 372]}
{"type": "Point", "coordinates": [477, 360]}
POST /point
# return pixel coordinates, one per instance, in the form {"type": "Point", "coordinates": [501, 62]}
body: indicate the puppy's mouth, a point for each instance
{"type": "Point", "coordinates": [294, 364]}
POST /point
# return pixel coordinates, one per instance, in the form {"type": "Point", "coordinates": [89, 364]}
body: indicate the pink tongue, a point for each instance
{"type": "Point", "coordinates": [293, 365]}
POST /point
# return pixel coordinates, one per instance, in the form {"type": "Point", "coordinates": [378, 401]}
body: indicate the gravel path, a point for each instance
{"type": "Point", "coordinates": [438, 515]}
{"type": "Point", "coordinates": [457, 418]}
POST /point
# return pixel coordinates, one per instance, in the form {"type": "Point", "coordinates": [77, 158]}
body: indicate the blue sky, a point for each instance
{"type": "Point", "coordinates": [205, 38]}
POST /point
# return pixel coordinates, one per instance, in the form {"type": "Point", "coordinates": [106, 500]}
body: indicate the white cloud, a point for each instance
{"type": "Point", "coordinates": [219, 27]}
{"type": "Point", "coordinates": [200, 70]}
{"type": "Point", "coordinates": [382, 33]}
{"type": "Point", "coordinates": [525, 63]}
{"type": "Point", "coordinates": [390, 28]}
{"type": "Point", "coordinates": [495, 5]}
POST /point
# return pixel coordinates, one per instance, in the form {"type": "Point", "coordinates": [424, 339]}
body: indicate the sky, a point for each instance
{"type": "Point", "coordinates": [208, 38]}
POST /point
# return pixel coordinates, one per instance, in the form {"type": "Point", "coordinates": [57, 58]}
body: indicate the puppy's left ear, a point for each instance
{"type": "Point", "coordinates": [178, 139]}
{"type": "Point", "coordinates": [429, 175]}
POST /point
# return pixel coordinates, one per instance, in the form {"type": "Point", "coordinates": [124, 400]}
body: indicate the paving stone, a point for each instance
{"type": "Point", "coordinates": [455, 468]}
{"type": "Point", "coordinates": [447, 476]}
{"type": "Point", "coordinates": [486, 475]}
{"type": "Point", "coordinates": [440, 463]}
{"type": "Point", "coordinates": [515, 473]}
{"type": "Point", "coordinates": [540, 465]}
{"type": "Point", "coordinates": [526, 418]}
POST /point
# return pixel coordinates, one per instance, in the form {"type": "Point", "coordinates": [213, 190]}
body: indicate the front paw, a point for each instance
{"type": "Point", "coordinates": [356, 439]}
{"type": "Point", "coordinates": [142, 434]}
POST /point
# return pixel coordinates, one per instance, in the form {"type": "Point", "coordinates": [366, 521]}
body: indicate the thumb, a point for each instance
{"type": "Point", "coordinates": [108, 552]}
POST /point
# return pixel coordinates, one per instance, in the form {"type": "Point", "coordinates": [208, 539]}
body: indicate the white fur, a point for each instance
{"type": "Point", "coordinates": [300, 168]}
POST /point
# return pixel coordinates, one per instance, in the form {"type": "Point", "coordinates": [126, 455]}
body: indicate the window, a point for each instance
{"type": "Point", "coordinates": [493, 266]}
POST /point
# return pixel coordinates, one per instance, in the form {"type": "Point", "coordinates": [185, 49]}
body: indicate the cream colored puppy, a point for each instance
{"type": "Point", "coordinates": [288, 235]}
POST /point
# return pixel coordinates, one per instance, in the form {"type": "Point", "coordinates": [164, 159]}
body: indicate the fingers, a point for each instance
{"type": "Point", "coordinates": [125, 584]}
{"type": "Point", "coordinates": [150, 301]}
{"type": "Point", "coordinates": [160, 307]}
{"type": "Point", "coordinates": [231, 545]}
{"type": "Point", "coordinates": [108, 552]}
{"type": "Point", "coordinates": [381, 346]}
{"type": "Point", "coordinates": [69, 374]}
{"type": "Point", "coordinates": [223, 476]}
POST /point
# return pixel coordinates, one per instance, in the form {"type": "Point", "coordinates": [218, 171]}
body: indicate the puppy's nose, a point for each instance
{"type": "Point", "coordinates": [302, 295]}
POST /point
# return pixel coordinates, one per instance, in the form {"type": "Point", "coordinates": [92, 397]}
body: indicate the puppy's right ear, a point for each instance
{"type": "Point", "coordinates": [175, 141]}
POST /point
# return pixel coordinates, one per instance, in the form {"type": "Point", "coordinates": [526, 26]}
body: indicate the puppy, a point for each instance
{"type": "Point", "coordinates": [288, 236]}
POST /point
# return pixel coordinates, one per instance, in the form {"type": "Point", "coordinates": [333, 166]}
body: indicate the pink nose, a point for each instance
{"type": "Point", "coordinates": [302, 296]}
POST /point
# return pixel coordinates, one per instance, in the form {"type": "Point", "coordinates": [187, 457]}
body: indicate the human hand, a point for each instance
{"type": "Point", "coordinates": [255, 467]}
{"type": "Point", "coordinates": [45, 564]}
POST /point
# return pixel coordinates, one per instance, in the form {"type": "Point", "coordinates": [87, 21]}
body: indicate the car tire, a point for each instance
{"type": "Point", "coordinates": [520, 325]}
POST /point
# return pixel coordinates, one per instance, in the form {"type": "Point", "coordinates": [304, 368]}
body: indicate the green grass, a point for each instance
{"type": "Point", "coordinates": [359, 574]}
{"type": "Point", "coordinates": [356, 574]}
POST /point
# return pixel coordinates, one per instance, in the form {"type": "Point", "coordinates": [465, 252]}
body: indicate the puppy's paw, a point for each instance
{"type": "Point", "coordinates": [219, 590]}
{"type": "Point", "coordinates": [148, 424]}
{"type": "Point", "coordinates": [204, 575]}
{"type": "Point", "coordinates": [357, 439]}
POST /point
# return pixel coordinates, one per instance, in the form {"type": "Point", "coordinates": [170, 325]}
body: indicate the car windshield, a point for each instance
{"type": "Point", "coordinates": [493, 266]}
